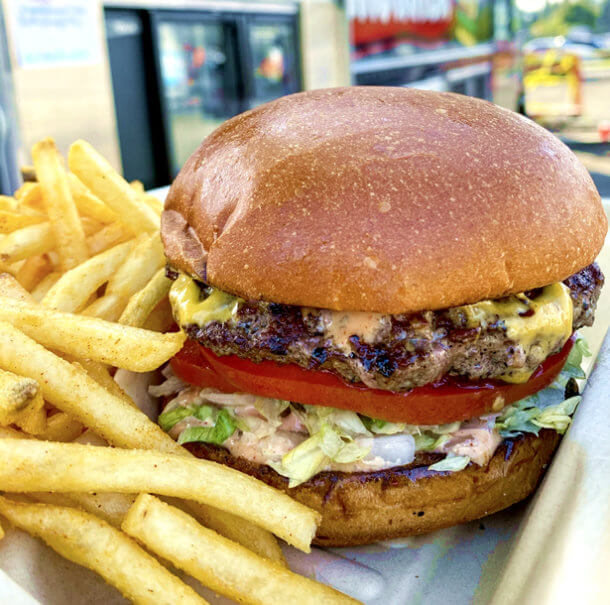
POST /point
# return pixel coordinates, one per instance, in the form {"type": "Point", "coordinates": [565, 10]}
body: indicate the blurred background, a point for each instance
{"type": "Point", "coordinates": [145, 81]}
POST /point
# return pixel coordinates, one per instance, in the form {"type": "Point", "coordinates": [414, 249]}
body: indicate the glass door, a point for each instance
{"type": "Point", "coordinates": [198, 78]}
{"type": "Point", "coordinates": [273, 68]}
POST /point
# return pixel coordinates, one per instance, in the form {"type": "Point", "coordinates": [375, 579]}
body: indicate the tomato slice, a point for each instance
{"type": "Point", "coordinates": [448, 400]}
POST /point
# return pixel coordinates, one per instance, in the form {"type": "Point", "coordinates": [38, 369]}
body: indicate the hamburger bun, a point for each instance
{"type": "Point", "coordinates": [360, 508]}
{"type": "Point", "coordinates": [389, 200]}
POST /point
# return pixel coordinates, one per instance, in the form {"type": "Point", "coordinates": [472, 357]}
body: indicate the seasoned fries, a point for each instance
{"type": "Point", "coordinates": [88, 541]}
{"type": "Point", "coordinates": [34, 270]}
{"type": "Point", "coordinates": [142, 303]}
{"type": "Point", "coordinates": [17, 396]}
{"type": "Point", "coordinates": [26, 242]}
{"type": "Point", "coordinates": [93, 338]}
{"type": "Point", "coordinates": [106, 237]}
{"type": "Point", "coordinates": [59, 205]}
{"type": "Point", "coordinates": [73, 391]}
{"type": "Point", "coordinates": [88, 204]}
{"type": "Point", "coordinates": [74, 288]}
{"type": "Point", "coordinates": [228, 568]}
{"type": "Point", "coordinates": [83, 292]}
{"type": "Point", "coordinates": [12, 220]}
{"type": "Point", "coordinates": [97, 174]}
{"type": "Point", "coordinates": [55, 467]}
{"type": "Point", "coordinates": [61, 427]}
{"type": "Point", "coordinates": [11, 288]}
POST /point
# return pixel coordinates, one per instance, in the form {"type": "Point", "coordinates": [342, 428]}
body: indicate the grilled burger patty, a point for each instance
{"type": "Point", "coordinates": [407, 350]}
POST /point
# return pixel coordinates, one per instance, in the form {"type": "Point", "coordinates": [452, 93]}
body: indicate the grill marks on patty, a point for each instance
{"type": "Point", "coordinates": [408, 350]}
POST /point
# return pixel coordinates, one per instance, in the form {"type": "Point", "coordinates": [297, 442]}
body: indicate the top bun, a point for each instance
{"type": "Point", "coordinates": [380, 199]}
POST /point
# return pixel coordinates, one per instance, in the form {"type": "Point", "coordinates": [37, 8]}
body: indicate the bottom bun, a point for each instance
{"type": "Point", "coordinates": [364, 507]}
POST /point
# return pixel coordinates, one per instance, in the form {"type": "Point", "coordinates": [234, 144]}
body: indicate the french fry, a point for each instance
{"type": "Point", "coordinates": [8, 204]}
{"type": "Point", "coordinates": [92, 543]}
{"type": "Point", "coordinates": [142, 303]}
{"type": "Point", "coordinates": [26, 242]}
{"type": "Point", "coordinates": [11, 288]}
{"type": "Point", "coordinates": [112, 508]}
{"type": "Point", "coordinates": [224, 566]}
{"type": "Point", "coordinates": [34, 270]}
{"type": "Point", "coordinates": [17, 395]}
{"type": "Point", "coordinates": [90, 225]}
{"type": "Point", "coordinates": [143, 261]}
{"type": "Point", "coordinates": [60, 207]}
{"type": "Point", "coordinates": [73, 391]}
{"type": "Point", "coordinates": [30, 196]}
{"type": "Point", "coordinates": [234, 528]}
{"type": "Point", "coordinates": [93, 338]}
{"type": "Point", "coordinates": [141, 264]}
{"type": "Point", "coordinates": [88, 204]}
{"type": "Point", "coordinates": [97, 174]}
{"type": "Point", "coordinates": [74, 288]}
{"type": "Point", "coordinates": [137, 186]}
{"type": "Point", "coordinates": [10, 433]}
{"type": "Point", "coordinates": [101, 375]}
{"type": "Point", "coordinates": [11, 221]}
{"type": "Point", "coordinates": [106, 237]}
{"type": "Point", "coordinates": [153, 203]}
{"type": "Point", "coordinates": [61, 427]}
{"type": "Point", "coordinates": [34, 420]}
{"type": "Point", "coordinates": [107, 307]}
{"type": "Point", "coordinates": [160, 318]}
{"type": "Point", "coordinates": [56, 467]}
{"type": "Point", "coordinates": [45, 284]}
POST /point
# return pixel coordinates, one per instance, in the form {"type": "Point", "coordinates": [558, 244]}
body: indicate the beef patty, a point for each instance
{"type": "Point", "coordinates": [408, 350]}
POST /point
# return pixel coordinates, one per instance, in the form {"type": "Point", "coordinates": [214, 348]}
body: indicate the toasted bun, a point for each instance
{"type": "Point", "coordinates": [381, 199]}
{"type": "Point", "coordinates": [360, 508]}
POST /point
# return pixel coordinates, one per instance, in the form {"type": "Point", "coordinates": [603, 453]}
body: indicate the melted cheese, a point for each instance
{"type": "Point", "coordinates": [544, 322]}
{"type": "Point", "coordinates": [185, 297]}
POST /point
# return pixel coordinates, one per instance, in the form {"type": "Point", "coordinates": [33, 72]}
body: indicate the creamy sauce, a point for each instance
{"type": "Point", "coordinates": [341, 325]}
{"type": "Point", "coordinates": [476, 440]}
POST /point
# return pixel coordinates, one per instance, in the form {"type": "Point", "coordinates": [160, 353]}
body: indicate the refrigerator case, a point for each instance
{"type": "Point", "coordinates": [212, 66]}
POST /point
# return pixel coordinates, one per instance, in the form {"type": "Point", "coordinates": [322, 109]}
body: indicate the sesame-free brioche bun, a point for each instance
{"type": "Point", "coordinates": [360, 508]}
{"type": "Point", "coordinates": [380, 199]}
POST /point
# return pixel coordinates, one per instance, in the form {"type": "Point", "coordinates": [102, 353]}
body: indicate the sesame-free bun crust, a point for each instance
{"type": "Point", "coordinates": [360, 508]}
{"type": "Point", "coordinates": [381, 199]}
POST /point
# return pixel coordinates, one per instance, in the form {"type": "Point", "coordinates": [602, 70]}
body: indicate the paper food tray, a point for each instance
{"type": "Point", "coordinates": [553, 548]}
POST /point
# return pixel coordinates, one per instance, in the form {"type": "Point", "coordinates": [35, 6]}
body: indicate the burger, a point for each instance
{"type": "Point", "coordinates": [381, 289]}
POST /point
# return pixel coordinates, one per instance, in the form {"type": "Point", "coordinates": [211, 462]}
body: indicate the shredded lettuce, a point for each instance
{"type": "Point", "coordinates": [450, 463]}
{"type": "Point", "coordinates": [224, 426]}
{"type": "Point", "coordinates": [573, 366]}
{"type": "Point", "coordinates": [314, 454]}
{"type": "Point", "coordinates": [382, 427]}
{"type": "Point", "coordinates": [547, 408]}
{"type": "Point", "coordinates": [219, 424]}
{"type": "Point", "coordinates": [428, 442]}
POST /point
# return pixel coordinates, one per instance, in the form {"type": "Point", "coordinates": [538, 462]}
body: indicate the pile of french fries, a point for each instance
{"type": "Point", "coordinates": [83, 292]}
